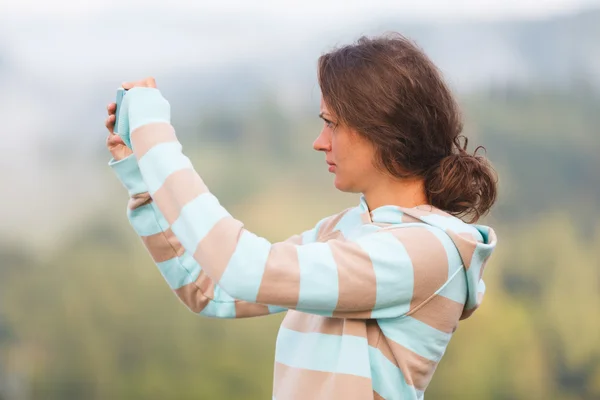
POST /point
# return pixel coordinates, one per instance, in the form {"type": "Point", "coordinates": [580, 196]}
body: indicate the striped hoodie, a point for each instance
{"type": "Point", "coordinates": [372, 297]}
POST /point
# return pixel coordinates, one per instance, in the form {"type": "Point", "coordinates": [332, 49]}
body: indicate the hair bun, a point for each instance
{"type": "Point", "coordinates": [462, 184]}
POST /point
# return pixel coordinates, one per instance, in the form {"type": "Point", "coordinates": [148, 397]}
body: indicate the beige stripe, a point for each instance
{"type": "Point", "coordinates": [139, 200]}
{"type": "Point", "coordinates": [356, 277]}
{"type": "Point", "coordinates": [244, 309]}
{"type": "Point", "coordinates": [281, 278]}
{"type": "Point", "coordinates": [429, 262]}
{"type": "Point", "coordinates": [163, 246]}
{"type": "Point", "coordinates": [296, 239]}
{"type": "Point", "coordinates": [440, 313]}
{"type": "Point", "coordinates": [328, 226]}
{"type": "Point", "coordinates": [373, 333]}
{"type": "Point", "coordinates": [206, 285]}
{"type": "Point", "coordinates": [217, 247]}
{"type": "Point", "coordinates": [196, 295]}
{"type": "Point", "coordinates": [425, 210]}
{"type": "Point", "coordinates": [300, 384]}
{"type": "Point", "coordinates": [353, 314]}
{"type": "Point", "coordinates": [311, 323]}
{"type": "Point", "coordinates": [179, 188]}
{"type": "Point", "coordinates": [192, 297]}
{"type": "Point", "coordinates": [409, 218]}
{"type": "Point", "coordinates": [466, 244]}
{"type": "Point", "coordinates": [417, 370]}
{"type": "Point", "coordinates": [335, 235]}
{"type": "Point", "coordinates": [467, 313]}
{"type": "Point", "coordinates": [149, 135]}
{"type": "Point", "coordinates": [355, 327]}
{"type": "Point", "coordinates": [386, 350]}
{"type": "Point", "coordinates": [492, 239]}
{"type": "Point", "coordinates": [365, 217]}
{"type": "Point", "coordinates": [377, 396]}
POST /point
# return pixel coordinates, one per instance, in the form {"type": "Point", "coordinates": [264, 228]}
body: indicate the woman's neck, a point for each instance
{"type": "Point", "coordinates": [407, 193]}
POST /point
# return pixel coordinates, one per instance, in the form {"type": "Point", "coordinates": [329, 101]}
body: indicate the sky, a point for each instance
{"type": "Point", "coordinates": [297, 9]}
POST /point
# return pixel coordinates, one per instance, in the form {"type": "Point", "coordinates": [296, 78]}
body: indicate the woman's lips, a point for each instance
{"type": "Point", "coordinates": [331, 166]}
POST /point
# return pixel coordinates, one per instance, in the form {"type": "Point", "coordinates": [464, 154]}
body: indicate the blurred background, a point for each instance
{"type": "Point", "coordinates": [85, 314]}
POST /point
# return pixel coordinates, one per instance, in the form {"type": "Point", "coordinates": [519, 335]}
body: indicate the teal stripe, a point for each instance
{"type": "Point", "coordinates": [276, 309]}
{"type": "Point", "coordinates": [179, 271]}
{"type": "Point", "coordinates": [456, 289]}
{"type": "Point", "coordinates": [484, 231]}
{"type": "Point", "coordinates": [368, 229]}
{"type": "Point", "coordinates": [318, 278]}
{"type": "Point", "coordinates": [322, 352]}
{"type": "Point", "coordinates": [387, 214]}
{"type": "Point", "coordinates": [456, 286]}
{"type": "Point", "coordinates": [129, 174]}
{"type": "Point", "coordinates": [147, 220]}
{"type": "Point", "coordinates": [146, 105]}
{"type": "Point", "coordinates": [387, 379]}
{"type": "Point", "coordinates": [481, 252]}
{"type": "Point", "coordinates": [393, 274]}
{"type": "Point", "coordinates": [244, 272]}
{"type": "Point", "coordinates": [161, 161]}
{"type": "Point", "coordinates": [223, 308]}
{"type": "Point", "coordinates": [416, 336]}
{"type": "Point", "coordinates": [481, 287]}
{"type": "Point", "coordinates": [349, 221]}
{"type": "Point", "coordinates": [197, 218]}
{"type": "Point", "coordinates": [310, 236]}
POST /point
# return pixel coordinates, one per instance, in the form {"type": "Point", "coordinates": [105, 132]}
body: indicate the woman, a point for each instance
{"type": "Point", "coordinates": [372, 294]}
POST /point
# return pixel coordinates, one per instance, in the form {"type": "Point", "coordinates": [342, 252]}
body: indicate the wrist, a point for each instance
{"type": "Point", "coordinates": [128, 172]}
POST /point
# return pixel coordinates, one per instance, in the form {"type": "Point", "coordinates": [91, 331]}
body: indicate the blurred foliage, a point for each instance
{"type": "Point", "coordinates": [94, 319]}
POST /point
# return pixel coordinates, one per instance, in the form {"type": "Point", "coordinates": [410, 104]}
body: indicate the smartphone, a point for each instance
{"type": "Point", "coordinates": [120, 94]}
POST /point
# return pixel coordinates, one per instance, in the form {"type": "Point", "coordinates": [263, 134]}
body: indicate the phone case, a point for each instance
{"type": "Point", "coordinates": [120, 94]}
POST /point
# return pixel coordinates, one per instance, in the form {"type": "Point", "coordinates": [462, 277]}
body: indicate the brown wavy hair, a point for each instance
{"type": "Point", "coordinates": [390, 92]}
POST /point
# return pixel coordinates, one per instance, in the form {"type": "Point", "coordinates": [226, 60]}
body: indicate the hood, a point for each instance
{"type": "Point", "coordinates": [475, 243]}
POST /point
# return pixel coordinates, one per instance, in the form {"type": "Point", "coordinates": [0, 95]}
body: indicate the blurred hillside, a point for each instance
{"type": "Point", "coordinates": [84, 314]}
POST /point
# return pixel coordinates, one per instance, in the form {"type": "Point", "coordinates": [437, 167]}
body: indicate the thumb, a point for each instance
{"type": "Point", "coordinates": [114, 140]}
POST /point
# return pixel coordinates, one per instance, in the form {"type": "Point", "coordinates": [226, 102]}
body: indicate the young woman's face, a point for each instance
{"type": "Point", "coordinates": [349, 156]}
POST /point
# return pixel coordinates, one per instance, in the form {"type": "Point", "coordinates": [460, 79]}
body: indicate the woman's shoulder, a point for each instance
{"type": "Point", "coordinates": [340, 222]}
{"type": "Point", "coordinates": [441, 219]}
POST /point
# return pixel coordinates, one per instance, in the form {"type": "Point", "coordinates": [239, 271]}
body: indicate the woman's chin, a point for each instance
{"type": "Point", "coordinates": [343, 186]}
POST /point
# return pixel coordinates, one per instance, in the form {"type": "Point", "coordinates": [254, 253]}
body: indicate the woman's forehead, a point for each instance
{"type": "Point", "coordinates": [324, 108]}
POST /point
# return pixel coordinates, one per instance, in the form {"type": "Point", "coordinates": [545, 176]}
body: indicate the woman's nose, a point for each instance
{"type": "Point", "coordinates": [322, 142]}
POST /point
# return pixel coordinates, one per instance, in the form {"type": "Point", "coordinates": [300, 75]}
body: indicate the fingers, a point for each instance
{"type": "Point", "coordinates": [111, 108]}
{"type": "Point", "coordinates": [110, 123]}
{"type": "Point", "coordinates": [114, 140]}
{"type": "Point", "coordinates": [148, 82]}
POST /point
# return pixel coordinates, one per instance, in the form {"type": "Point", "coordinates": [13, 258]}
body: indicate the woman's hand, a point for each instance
{"type": "Point", "coordinates": [117, 148]}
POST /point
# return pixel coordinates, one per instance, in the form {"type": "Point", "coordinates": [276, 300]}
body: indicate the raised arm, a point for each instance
{"type": "Point", "coordinates": [181, 271]}
{"type": "Point", "coordinates": [384, 274]}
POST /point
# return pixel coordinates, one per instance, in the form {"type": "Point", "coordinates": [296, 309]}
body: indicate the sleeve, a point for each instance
{"type": "Point", "coordinates": [181, 271]}
{"type": "Point", "coordinates": [383, 274]}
